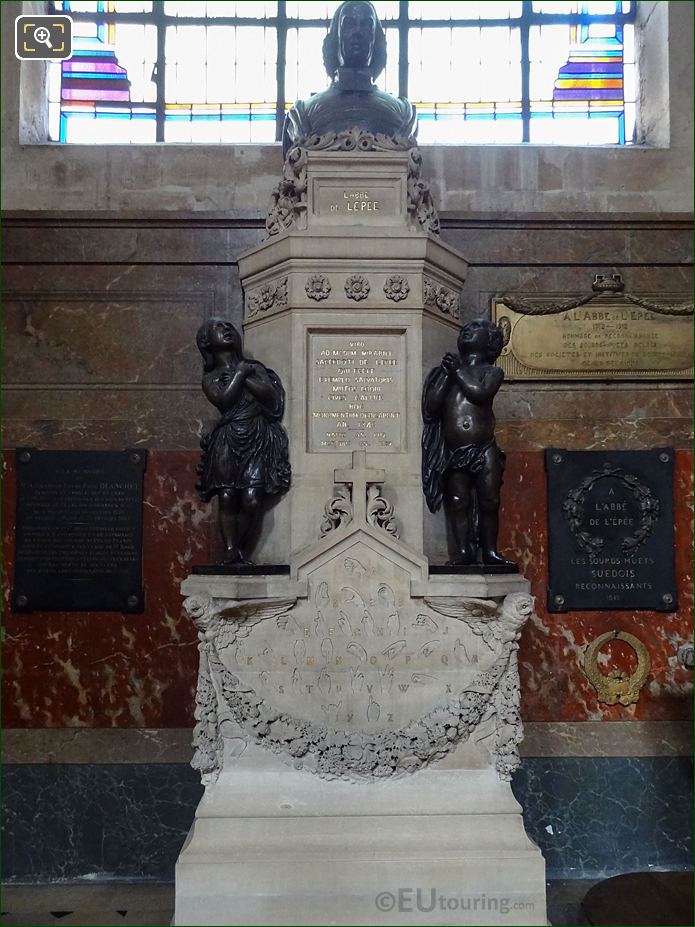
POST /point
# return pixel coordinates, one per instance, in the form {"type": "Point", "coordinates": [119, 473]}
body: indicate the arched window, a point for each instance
{"type": "Point", "coordinates": [508, 72]}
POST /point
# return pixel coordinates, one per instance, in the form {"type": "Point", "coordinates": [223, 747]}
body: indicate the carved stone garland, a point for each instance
{"type": "Point", "coordinates": [603, 284]}
{"type": "Point", "coordinates": [352, 755]}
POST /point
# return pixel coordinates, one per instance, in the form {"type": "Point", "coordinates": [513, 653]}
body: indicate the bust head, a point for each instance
{"type": "Point", "coordinates": [480, 336]}
{"type": "Point", "coordinates": [356, 39]}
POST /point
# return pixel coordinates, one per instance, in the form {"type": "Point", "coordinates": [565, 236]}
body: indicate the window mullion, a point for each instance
{"type": "Point", "coordinates": [524, 26]}
{"type": "Point", "coordinates": [281, 67]}
{"type": "Point", "coordinates": [403, 27]}
{"type": "Point", "coordinates": [160, 72]}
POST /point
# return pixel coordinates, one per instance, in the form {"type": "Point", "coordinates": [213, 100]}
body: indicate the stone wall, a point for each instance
{"type": "Point", "coordinates": [652, 177]}
{"type": "Point", "coordinates": [113, 258]}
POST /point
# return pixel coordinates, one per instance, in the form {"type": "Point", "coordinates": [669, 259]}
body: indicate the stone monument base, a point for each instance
{"type": "Point", "coordinates": [407, 819]}
{"type": "Point", "coordinates": [271, 845]}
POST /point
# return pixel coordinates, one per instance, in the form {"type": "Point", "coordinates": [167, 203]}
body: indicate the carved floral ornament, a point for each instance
{"type": "Point", "coordinates": [396, 288]}
{"type": "Point", "coordinates": [317, 287]}
{"type": "Point", "coordinates": [339, 512]}
{"type": "Point", "coordinates": [438, 296]}
{"type": "Point", "coordinates": [267, 297]}
{"type": "Point", "coordinates": [331, 752]}
{"type": "Point", "coordinates": [357, 287]}
{"type": "Point", "coordinates": [617, 686]}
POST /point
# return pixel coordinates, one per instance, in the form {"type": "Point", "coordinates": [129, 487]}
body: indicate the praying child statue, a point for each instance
{"type": "Point", "coordinates": [461, 463]}
{"type": "Point", "coordinates": [245, 456]}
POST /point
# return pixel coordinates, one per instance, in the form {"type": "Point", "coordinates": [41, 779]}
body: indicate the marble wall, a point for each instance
{"type": "Point", "coordinates": [100, 315]}
{"type": "Point", "coordinates": [591, 817]}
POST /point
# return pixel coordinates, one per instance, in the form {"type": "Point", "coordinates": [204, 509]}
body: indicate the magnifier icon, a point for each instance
{"type": "Point", "coordinates": [42, 35]}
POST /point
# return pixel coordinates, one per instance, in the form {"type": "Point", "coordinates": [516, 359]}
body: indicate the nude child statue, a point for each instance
{"type": "Point", "coordinates": [461, 463]}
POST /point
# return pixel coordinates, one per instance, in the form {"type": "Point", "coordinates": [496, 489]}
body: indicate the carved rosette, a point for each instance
{"type": "Point", "coordinates": [396, 288]}
{"type": "Point", "coordinates": [289, 198]}
{"type": "Point", "coordinates": [349, 653]}
{"type": "Point", "coordinates": [317, 287]}
{"type": "Point", "coordinates": [266, 298]}
{"type": "Point", "coordinates": [438, 296]}
{"type": "Point", "coordinates": [357, 287]}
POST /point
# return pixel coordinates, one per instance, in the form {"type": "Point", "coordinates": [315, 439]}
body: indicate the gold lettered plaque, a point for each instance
{"type": "Point", "coordinates": [606, 338]}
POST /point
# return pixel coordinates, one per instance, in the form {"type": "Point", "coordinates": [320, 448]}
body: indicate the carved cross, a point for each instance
{"type": "Point", "coordinates": [359, 477]}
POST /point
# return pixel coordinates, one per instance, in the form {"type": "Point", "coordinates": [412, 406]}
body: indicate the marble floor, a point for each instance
{"type": "Point", "coordinates": [124, 903]}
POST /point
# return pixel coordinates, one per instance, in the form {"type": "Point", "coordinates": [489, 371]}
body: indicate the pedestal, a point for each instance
{"type": "Point", "coordinates": [356, 742]}
{"type": "Point", "coordinates": [273, 846]}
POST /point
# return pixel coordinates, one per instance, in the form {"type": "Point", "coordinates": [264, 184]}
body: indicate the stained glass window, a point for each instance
{"type": "Point", "coordinates": [485, 71]}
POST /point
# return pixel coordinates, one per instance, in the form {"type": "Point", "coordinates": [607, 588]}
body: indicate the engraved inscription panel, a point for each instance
{"type": "Point", "coordinates": [610, 521]}
{"type": "Point", "coordinates": [356, 389]}
{"type": "Point", "coordinates": [79, 530]}
{"type": "Point", "coordinates": [602, 340]}
{"type": "Point", "coordinates": [356, 203]}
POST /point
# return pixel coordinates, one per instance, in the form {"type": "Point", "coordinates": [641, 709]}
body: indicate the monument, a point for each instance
{"type": "Point", "coordinates": [357, 718]}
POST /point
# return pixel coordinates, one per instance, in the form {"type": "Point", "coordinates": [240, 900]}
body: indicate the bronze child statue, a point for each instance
{"type": "Point", "coordinates": [461, 463]}
{"type": "Point", "coordinates": [245, 457]}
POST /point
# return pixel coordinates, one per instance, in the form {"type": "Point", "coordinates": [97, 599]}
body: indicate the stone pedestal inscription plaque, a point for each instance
{"type": "Point", "coordinates": [356, 390]}
{"type": "Point", "coordinates": [342, 194]}
{"type": "Point", "coordinates": [79, 530]}
{"type": "Point", "coordinates": [610, 537]}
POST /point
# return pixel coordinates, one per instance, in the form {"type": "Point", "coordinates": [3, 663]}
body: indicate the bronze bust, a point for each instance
{"type": "Point", "coordinates": [461, 463]}
{"type": "Point", "coordinates": [245, 456]}
{"type": "Point", "coordinates": [354, 54]}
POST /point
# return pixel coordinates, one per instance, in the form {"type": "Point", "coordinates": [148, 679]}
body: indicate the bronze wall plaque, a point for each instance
{"type": "Point", "coordinates": [79, 530]}
{"type": "Point", "coordinates": [606, 339]}
{"type": "Point", "coordinates": [610, 530]}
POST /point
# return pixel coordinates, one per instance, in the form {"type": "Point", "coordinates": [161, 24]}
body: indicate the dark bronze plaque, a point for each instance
{"type": "Point", "coordinates": [610, 529]}
{"type": "Point", "coordinates": [79, 530]}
